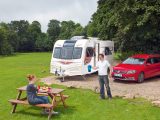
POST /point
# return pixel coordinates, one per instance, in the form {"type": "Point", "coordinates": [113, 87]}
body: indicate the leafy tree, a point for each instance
{"type": "Point", "coordinates": [21, 29]}
{"type": "Point", "coordinates": [92, 30]}
{"type": "Point", "coordinates": [78, 31]}
{"type": "Point", "coordinates": [21, 36]}
{"type": "Point", "coordinates": [132, 24]}
{"type": "Point", "coordinates": [34, 33]}
{"type": "Point", "coordinates": [5, 47]}
{"type": "Point", "coordinates": [42, 43]}
{"type": "Point", "coordinates": [13, 40]}
{"type": "Point", "coordinates": [53, 31]}
{"type": "Point", "coordinates": [67, 28]}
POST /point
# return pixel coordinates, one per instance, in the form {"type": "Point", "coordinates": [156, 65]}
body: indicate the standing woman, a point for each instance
{"type": "Point", "coordinates": [102, 66]}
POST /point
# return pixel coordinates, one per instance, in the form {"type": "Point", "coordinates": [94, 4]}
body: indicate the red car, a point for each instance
{"type": "Point", "coordinates": [137, 68]}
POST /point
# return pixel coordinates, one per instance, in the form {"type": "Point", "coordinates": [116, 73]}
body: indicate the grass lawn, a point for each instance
{"type": "Point", "coordinates": [82, 104]}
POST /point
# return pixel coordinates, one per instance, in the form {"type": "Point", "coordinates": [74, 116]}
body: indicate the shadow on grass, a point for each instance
{"type": "Point", "coordinates": [5, 56]}
{"type": "Point", "coordinates": [62, 111]}
{"type": "Point", "coordinates": [81, 78]}
{"type": "Point", "coordinates": [13, 55]}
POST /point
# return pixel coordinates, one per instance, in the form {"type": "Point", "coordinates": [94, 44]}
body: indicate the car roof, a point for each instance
{"type": "Point", "coordinates": [145, 56]}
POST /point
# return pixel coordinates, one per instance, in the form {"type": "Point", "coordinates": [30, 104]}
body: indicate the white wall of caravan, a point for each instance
{"type": "Point", "coordinates": [77, 67]}
{"type": "Point", "coordinates": [89, 43]}
{"type": "Point", "coordinates": [109, 44]}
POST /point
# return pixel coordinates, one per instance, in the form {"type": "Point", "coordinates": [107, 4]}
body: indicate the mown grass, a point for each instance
{"type": "Point", "coordinates": [82, 104]}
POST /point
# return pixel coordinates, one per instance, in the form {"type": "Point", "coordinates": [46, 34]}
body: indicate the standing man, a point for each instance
{"type": "Point", "coordinates": [102, 66]}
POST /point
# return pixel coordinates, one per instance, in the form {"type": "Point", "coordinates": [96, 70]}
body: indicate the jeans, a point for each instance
{"type": "Point", "coordinates": [39, 100]}
{"type": "Point", "coordinates": [103, 80]}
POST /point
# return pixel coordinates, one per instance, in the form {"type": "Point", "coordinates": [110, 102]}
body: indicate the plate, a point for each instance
{"type": "Point", "coordinates": [43, 90]}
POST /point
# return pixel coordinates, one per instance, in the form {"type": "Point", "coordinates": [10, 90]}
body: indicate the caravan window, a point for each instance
{"type": "Point", "coordinates": [89, 52]}
{"type": "Point", "coordinates": [107, 51]}
{"type": "Point", "coordinates": [57, 52]}
{"type": "Point", "coordinates": [67, 52]}
{"type": "Point", "coordinates": [77, 53]}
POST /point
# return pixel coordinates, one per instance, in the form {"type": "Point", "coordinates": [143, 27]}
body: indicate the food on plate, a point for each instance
{"type": "Point", "coordinates": [44, 88]}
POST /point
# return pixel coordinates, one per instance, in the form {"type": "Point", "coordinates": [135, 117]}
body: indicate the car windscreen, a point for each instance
{"type": "Point", "coordinates": [137, 61]}
{"type": "Point", "coordinates": [57, 52]}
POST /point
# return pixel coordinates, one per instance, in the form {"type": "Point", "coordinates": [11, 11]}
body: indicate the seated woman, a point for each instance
{"type": "Point", "coordinates": [32, 97]}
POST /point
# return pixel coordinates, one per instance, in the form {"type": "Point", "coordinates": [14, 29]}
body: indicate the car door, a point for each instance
{"type": "Point", "coordinates": [150, 69]}
{"type": "Point", "coordinates": [157, 65]}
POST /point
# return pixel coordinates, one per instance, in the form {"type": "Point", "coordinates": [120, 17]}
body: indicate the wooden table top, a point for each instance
{"type": "Point", "coordinates": [53, 90]}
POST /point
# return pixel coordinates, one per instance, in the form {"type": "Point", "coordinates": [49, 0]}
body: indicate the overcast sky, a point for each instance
{"type": "Point", "coordinates": [79, 11]}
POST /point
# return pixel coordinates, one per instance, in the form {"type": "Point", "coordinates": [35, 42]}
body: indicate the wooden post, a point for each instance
{"type": "Point", "coordinates": [15, 105]}
{"type": "Point", "coordinates": [50, 113]}
{"type": "Point", "coordinates": [63, 100]}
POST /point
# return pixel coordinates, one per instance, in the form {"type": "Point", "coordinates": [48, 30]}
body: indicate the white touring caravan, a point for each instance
{"type": "Point", "coordinates": [72, 57]}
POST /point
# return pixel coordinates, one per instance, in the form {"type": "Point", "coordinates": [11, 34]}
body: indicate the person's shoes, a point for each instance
{"type": "Point", "coordinates": [109, 98]}
{"type": "Point", "coordinates": [55, 113]}
{"type": "Point", "coordinates": [62, 80]}
{"type": "Point", "coordinates": [47, 112]}
{"type": "Point", "coordinates": [44, 112]}
{"type": "Point", "coordinates": [101, 98]}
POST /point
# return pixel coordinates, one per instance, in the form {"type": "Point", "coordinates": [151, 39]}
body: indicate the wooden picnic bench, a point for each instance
{"type": "Point", "coordinates": [54, 93]}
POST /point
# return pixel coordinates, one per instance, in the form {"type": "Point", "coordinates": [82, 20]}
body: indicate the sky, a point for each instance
{"type": "Point", "coordinates": [80, 11]}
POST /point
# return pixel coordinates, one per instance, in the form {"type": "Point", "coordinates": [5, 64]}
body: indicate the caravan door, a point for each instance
{"type": "Point", "coordinates": [107, 48]}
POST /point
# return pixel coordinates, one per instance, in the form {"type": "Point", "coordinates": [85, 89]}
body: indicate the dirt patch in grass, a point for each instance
{"type": "Point", "coordinates": [149, 89]}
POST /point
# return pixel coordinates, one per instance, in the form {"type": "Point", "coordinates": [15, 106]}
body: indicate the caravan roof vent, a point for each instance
{"type": "Point", "coordinates": [77, 37]}
{"type": "Point", "coordinates": [69, 43]}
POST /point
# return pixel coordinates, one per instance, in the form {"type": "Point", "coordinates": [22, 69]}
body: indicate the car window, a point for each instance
{"type": "Point", "coordinates": [131, 60]}
{"type": "Point", "coordinates": [153, 60]}
{"type": "Point", "coordinates": [150, 61]}
{"type": "Point", "coordinates": [156, 60]}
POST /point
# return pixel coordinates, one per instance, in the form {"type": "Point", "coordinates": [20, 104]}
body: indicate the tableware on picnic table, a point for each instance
{"type": "Point", "coordinates": [44, 89]}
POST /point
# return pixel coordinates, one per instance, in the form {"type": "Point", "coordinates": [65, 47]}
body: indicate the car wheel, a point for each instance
{"type": "Point", "coordinates": [141, 77]}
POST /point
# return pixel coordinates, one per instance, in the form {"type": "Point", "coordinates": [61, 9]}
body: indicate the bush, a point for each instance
{"type": "Point", "coordinates": [6, 49]}
{"type": "Point", "coordinates": [124, 55]}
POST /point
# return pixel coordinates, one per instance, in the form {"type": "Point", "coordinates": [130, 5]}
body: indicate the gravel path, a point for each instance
{"type": "Point", "coordinates": [149, 89]}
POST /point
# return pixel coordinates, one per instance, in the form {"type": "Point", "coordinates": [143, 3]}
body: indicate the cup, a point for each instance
{"type": "Point", "coordinates": [89, 68]}
{"type": "Point", "coordinates": [38, 87]}
{"type": "Point", "coordinates": [49, 89]}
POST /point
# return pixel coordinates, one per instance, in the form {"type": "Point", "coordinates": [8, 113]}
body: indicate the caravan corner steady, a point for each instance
{"type": "Point", "coordinates": [72, 57]}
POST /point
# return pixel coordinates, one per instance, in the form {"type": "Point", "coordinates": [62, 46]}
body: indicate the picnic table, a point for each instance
{"type": "Point", "coordinates": [55, 94]}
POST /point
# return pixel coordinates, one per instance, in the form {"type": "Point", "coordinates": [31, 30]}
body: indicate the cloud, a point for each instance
{"type": "Point", "coordinates": [45, 10]}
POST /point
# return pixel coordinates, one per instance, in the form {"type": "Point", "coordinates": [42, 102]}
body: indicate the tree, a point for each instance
{"type": "Point", "coordinates": [132, 24]}
{"type": "Point", "coordinates": [67, 28]}
{"type": "Point", "coordinates": [34, 34]}
{"type": "Point", "coordinates": [78, 31]}
{"type": "Point", "coordinates": [21, 29]}
{"type": "Point", "coordinates": [42, 43]}
{"type": "Point", "coordinates": [5, 46]}
{"type": "Point", "coordinates": [53, 31]}
{"type": "Point", "coordinates": [92, 30]}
